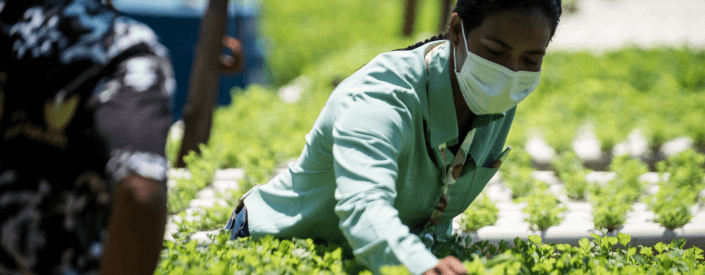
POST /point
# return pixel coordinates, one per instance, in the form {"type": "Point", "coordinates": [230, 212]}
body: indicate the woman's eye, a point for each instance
{"type": "Point", "coordinates": [532, 63]}
{"type": "Point", "coordinates": [493, 52]}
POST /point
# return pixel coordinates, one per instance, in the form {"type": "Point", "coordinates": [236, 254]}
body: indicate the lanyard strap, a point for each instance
{"type": "Point", "coordinates": [452, 166]}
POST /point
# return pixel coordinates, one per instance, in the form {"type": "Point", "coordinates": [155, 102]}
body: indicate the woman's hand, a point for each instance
{"type": "Point", "coordinates": [448, 266]}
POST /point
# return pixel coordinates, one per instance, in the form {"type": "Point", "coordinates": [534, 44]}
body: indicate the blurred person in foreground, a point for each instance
{"type": "Point", "coordinates": [84, 115]}
{"type": "Point", "coordinates": [408, 141]}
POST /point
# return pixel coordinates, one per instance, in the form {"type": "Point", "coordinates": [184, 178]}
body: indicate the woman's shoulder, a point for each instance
{"type": "Point", "coordinates": [400, 71]}
{"type": "Point", "coordinates": [408, 64]}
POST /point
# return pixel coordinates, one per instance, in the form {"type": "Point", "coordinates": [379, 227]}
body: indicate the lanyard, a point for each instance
{"type": "Point", "coordinates": [452, 166]}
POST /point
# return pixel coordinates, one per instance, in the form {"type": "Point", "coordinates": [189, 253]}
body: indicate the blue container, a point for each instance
{"type": "Point", "coordinates": [177, 23]}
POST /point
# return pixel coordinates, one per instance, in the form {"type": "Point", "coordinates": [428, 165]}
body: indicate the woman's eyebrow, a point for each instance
{"type": "Point", "coordinates": [541, 52]}
{"type": "Point", "coordinates": [499, 41]}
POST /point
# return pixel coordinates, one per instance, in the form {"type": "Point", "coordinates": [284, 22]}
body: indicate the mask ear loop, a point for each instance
{"type": "Point", "coordinates": [465, 43]}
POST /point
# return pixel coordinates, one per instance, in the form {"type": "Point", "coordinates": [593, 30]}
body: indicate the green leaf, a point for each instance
{"type": "Point", "coordinates": [611, 241]}
{"type": "Point", "coordinates": [596, 237]}
{"type": "Point", "coordinates": [535, 239]}
{"type": "Point", "coordinates": [631, 251]}
{"type": "Point", "coordinates": [584, 243]}
{"type": "Point", "coordinates": [492, 249]}
{"type": "Point", "coordinates": [677, 243]}
{"type": "Point", "coordinates": [624, 239]}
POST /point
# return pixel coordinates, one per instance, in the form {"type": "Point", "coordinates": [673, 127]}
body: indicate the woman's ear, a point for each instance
{"type": "Point", "coordinates": [454, 29]}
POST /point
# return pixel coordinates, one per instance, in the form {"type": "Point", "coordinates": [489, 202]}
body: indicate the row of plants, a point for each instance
{"type": "Point", "coordinates": [201, 170]}
{"type": "Point", "coordinates": [612, 201]}
{"type": "Point", "coordinates": [682, 178]}
{"type": "Point", "coordinates": [659, 91]}
{"type": "Point", "coordinates": [678, 192]}
{"type": "Point", "coordinates": [269, 255]}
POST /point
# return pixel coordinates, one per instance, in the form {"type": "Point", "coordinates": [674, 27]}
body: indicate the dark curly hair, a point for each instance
{"type": "Point", "coordinates": [473, 12]}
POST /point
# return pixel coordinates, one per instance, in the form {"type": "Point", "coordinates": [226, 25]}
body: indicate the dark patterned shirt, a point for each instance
{"type": "Point", "coordinates": [84, 102]}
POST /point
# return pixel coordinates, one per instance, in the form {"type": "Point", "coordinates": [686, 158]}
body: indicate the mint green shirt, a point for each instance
{"type": "Point", "coordinates": [370, 171]}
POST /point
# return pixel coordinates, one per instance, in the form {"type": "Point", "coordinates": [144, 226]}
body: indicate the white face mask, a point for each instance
{"type": "Point", "coordinates": [490, 88]}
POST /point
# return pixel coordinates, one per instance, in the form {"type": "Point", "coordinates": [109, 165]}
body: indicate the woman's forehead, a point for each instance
{"type": "Point", "coordinates": [517, 29]}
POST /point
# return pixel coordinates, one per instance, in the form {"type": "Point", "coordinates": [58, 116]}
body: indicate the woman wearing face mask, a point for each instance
{"type": "Point", "coordinates": [408, 141]}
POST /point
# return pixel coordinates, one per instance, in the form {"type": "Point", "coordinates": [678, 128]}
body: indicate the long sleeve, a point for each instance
{"type": "Point", "coordinates": [368, 139]}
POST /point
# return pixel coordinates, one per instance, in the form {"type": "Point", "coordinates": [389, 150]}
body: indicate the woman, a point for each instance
{"type": "Point", "coordinates": [408, 141]}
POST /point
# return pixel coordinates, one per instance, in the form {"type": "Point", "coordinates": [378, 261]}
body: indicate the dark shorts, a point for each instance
{"type": "Point", "coordinates": [237, 224]}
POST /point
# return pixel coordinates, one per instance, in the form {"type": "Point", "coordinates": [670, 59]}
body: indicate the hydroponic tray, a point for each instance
{"type": "Point", "coordinates": [577, 222]}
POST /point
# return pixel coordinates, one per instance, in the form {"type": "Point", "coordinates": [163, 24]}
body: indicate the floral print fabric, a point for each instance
{"type": "Point", "coordinates": [84, 102]}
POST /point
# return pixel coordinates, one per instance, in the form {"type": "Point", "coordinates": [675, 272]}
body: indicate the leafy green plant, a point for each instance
{"type": "Point", "coordinates": [679, 192]}
{"type": "Point", "coordinates": [481, 213]}
{"type": "Point", "coordinates": [610, 205]}
{"type": "Point", "coordinates": [671, 206]}
{"type": "Point", "coordinates": [674, 216]}
{"type": "Point", "coordinates": [544, 209]}
{"type": "Point", "coordinates": [173, 145]}
{"type": "Point", "coordinates": [210, 219]}
{"type": "Point", "coordinates": [611, 131]}
{"type": "Point", "coordinates": [517, 172]}
{"type": "Point", "coordinates": [570, 170]}
{"type": "Point", "coordinates": [629, 171]}
{"type": "Point", "coordinates": [520, 181]}
{"type": "Point", "coordinates": [612, 201]}
{"type": "Point", "coordinates": [202, 169]}
{"type": "Point", "coordinates": [657, 132]}
{"type": "Point", "coordinates": [685, 170]}
{"type": "Point", "coordinates": [575, 184]}
{"type": "Point", "coordinates": [695, 128]}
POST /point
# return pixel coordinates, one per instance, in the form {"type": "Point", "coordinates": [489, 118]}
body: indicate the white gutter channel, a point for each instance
{"type": "Point", "coordinates": [578, 221]}
{"type": "Point", "coordinates": [642, 234]}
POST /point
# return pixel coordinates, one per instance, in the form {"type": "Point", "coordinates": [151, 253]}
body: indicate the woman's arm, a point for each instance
{"type": "Point", "coordinates": [368, 140]}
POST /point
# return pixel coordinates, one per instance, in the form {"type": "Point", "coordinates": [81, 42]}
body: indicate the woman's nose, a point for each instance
{"type": "Point", "coordinates": [512, 64]}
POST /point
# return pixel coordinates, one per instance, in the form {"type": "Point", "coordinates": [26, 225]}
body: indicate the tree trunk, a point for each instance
{"type": "Point", "coordinates": [445, 15]}
{"type": "Point", "coordinates": [409, 17]}
{"type": "Point", "coordinates": [204, 80]}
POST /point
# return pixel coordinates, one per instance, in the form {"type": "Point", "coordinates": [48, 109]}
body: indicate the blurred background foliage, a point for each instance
{"type": "Point", "coordinates": [299, 33]}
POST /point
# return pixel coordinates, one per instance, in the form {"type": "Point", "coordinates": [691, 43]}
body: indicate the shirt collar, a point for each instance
{"type": "Point", "coordinates": [443, 123]}
{"type": "Point", "coordinates": [442, 120]}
